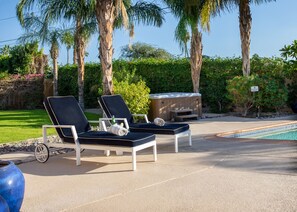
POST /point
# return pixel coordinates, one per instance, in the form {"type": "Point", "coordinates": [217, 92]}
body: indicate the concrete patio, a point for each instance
{"type": "Point", "coordinates": [213, 175]}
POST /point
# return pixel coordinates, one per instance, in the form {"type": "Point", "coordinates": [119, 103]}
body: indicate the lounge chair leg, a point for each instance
{"type": "Point", "coordinates": [155, 152]}
{"type": "Point", "coordinates": [190, 138]}
{"type": "Point", "coordinates": [77, 150]}
{"type": "Point", "coordinates": [176, 143]}
{"type": "Point", "coordinates": [107, 153]}
{"type": "Point", "coordinates": [133, 160]}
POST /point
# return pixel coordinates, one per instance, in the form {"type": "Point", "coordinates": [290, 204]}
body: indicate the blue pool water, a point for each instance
{"type": "Point", "coordinates": [285, 135]}
{"type": "Point", "coordinates": [277, 132]}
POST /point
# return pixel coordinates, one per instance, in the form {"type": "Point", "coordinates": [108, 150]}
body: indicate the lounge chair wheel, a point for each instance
{"type": "Point", "coordinates": [41, 153]}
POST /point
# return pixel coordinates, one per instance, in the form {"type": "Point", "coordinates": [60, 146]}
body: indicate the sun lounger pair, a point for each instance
{"type": "Point", "coordinates": [75, 130]}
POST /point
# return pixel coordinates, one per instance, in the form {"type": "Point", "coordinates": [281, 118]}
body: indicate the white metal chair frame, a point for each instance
{"type": "Point", "coordinates": [77, 146]}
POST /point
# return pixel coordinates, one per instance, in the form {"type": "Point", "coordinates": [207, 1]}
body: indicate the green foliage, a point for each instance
{"type": "Point", "coordinates": [68, 82]}
{"type": "Point", "coordinates": [174, 76]}
{"type": "Point", "coordinates": [289, 53]}
{"type": "Point", "coordinates": [272, 94]}
{"type": "Point", "coordinates": [161, 75]}
{"type": "Point", "coordinates": [143, 50]}
{"type": "Point", "coordinates": [133, 90]}
{"type": "Point", "coordinates": [274, 67]}
{"type": "Point", "coordinates": [135, 94]}
{"type": "Point", "coordinates": [239, 92]}
{"type": "Point", "coordinates": [19, 59]}
{"type": "Point", "coordinates": [214, 75]}
{"type": "Point", "coordinates": [4, 75]}
{"type": "Point", "coordinates": [4, 63]}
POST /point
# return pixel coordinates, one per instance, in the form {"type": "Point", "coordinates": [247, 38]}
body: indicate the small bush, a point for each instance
{"type": "Point", "coordinates": [272, 94]}
{"type": "Point", "coordinates": [239, 92]}
{"type": "Point", "coordinates": [135, 94]}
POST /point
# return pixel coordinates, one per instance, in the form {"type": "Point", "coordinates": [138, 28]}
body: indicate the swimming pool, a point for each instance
{"type": "Point", "coordinates": [286, 131]}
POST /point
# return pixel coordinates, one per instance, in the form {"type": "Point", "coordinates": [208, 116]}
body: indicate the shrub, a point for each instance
{"type": "Point", "coordinates": [289, 53]}
{"type": "Point", "coordinates": [67, 83]}
{"type": "Point", "coordinates": [272, 94]}
{"type": "Point", "coordinates": [135, 94]}
{"type": "Point", "coordinates": [239, 92]}
{"type": "Point", "coordinates": [214, 75]}
{"type": "Point", "coordinates": [4, 63]}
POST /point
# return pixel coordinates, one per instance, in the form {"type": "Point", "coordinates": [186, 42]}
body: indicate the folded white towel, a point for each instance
{"type": "Point", "coordinates": [159, 122]}
{"type": "Point", "coordinates": [118, 130]}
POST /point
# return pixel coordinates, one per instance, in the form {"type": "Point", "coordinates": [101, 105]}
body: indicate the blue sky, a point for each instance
{"type": "Point", "coordinates": [274, 25]}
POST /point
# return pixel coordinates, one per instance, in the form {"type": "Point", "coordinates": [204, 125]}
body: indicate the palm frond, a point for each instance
{"type": "Point", "coordinates": [182, 35]}
{"type": "Point", "coordinates": [22, 7]}
{"type": "Point", "coordinates": [146, 13]}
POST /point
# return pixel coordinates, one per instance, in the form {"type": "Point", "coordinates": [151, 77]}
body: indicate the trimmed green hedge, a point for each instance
{"type": "Point", "coordinates": [160, 75]}
{"type": "Point", "coordinates": [68, 82]}
{"type": "Point", "coordinates": [173, 76]}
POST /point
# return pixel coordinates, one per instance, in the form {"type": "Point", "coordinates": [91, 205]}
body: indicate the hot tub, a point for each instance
{"type": "Point", "coordinates": [162, 104]}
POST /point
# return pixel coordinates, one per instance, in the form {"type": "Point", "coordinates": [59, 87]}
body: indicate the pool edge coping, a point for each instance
{"type": "Point", "coordinates": [222, 136]}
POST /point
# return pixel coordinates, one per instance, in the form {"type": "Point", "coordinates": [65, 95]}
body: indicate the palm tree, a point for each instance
{"type": "Point", "coordinates": [189, 14]}
{"type": "Point", "coordinates": [38, 29]}
{"type": "Point", "coordinates": [245, 23]}
{"type": "Point", "coordinates": [82, 12]}
{"type": "Point", "coordinates": [107, 13]}
{"type": "Point", "coordinates": [68, 40]}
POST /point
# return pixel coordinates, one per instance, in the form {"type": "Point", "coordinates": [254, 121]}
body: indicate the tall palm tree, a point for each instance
{"type": "Point", "coordinates": [189, 14]}
{"type": "Point", "coordinates": [107, 12]}
{"type": "Point", "coordinates": [82, 12]}
{"type": "Point", "coordinates": [68, 40]}
{"type": "Point", "coordinates": [245, 23]}
{"type": "Point", "coordinates": [38, 29]}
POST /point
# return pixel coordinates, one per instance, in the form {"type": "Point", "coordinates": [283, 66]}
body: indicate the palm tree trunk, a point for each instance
{"type": "Point", "coordinates": [54, 55]}
{"type": "Point", "coordinates": [105, 18]}
{"type": "Point", "coordinates": [68, 49]}
{"type": "Point", "coordinates": [74, 54]}
{"type": "Point", "coordinates": [245, 23]}
{"type": "Point", "coordinates": [80, 44]}
{"type": "Point", "coordinates": [196, 58]}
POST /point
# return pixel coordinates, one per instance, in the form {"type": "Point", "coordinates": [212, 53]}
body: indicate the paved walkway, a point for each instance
{"type": "Point", "coordinates": [212, 175]}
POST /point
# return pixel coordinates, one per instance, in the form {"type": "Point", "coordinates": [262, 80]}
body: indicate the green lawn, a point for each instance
{"type": "Point", "coordinates": [19, 125]}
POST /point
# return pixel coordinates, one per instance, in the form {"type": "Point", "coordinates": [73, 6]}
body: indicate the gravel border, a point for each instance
{"type": "Point", "coordinates": [29, 147]}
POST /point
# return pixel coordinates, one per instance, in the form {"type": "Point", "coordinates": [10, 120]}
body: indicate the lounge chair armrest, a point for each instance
{"type": "Point", "coordinates": [101, 120]}
{"type": "Point", "coordinates": [58, 126]}
{"type": "Point", "coordinates": [72, 127]}
{"type": "Point", "coordinates": [94, 121]}
{"type": "Point", "coordinates": [142, 115]}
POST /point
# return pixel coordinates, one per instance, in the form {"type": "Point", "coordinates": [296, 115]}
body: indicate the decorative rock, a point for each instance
{"type": "Point", "coordinates": [29, 146]}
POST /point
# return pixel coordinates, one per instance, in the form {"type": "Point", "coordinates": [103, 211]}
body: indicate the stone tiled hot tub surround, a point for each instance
{"type": "Point", "coordinates": [162, 103]}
